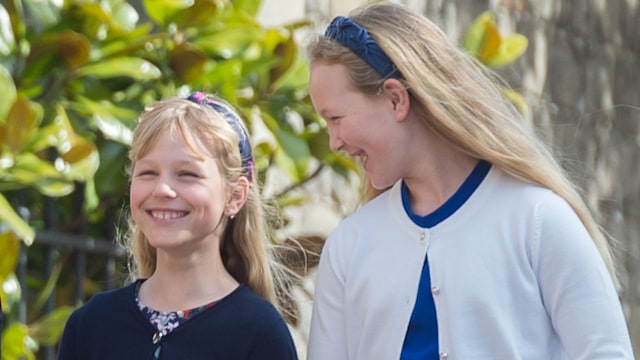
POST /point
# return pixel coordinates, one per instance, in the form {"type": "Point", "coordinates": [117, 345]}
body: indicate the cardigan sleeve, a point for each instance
{"type": "Point", "coordinates": [67, 346]}
{"type": "Point", "coordinates": [274, 341]}
{"type": "Point", "coordinates": [327, 337]}
{"type": "Point", "coordinates": [576, 287]}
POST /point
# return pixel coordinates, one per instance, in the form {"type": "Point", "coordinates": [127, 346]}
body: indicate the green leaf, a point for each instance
{"type": "Point", "coordinates": [136, 40]}
{"type": "Point", "coordinates": [125, 15]}
{"type": "Point", "coordinates": [202, 15]}
{"type": "Point", "coordinates": [162, 11]}
{"type": "Point", "coordinates": [319, 145]}
{"type": "Point", "coordinates": [91, 199]}
{"type": "Point", "coordinates": [226, 77]}
{"type": "Point", "coordinates": [108, 118]}
{"type": "Point", "coordinates": [29, 168]}
{"type": "Point", "coordinates": [22, 123]}
{"type": "Point", "coordinates": [342, 164]}
{"type": "Point", "coordinates": [74, 48]}
{"type": "Point", "coordinates": [55, 187]}
{"type": "Point", "coordinates": [16, 343]}
{"type": "Point", "coordinates": [63, 51]}
{"type": "Point", "coordinates": [287, 52]}
{"type": "Point", "coordinates": [296, 77]}
{"type": "Point", "coordinates": [9, 217]}
{"type": "Point", "coordinates": [47, 331]}
{"type": "Point", "coordinates": [10, 292]}
{"type": "Point", "coordinates": [111, 176]}
{"type": "Point", "coordinates": [474, 38]}
{"type": "Point", "coordinates": [18, 23]}
{"type": "Point", "coordinates": [9, 252]}
{"type": "Point", "coordinates": [83, 160]}
{"type": "Point", "coordinates": [135, 68]}
{"type": "Point", "coordinates": [293, 153]}
{"type": "Point", "coordinates": [229, 42]}
{"type": "Point", "coordinates": [44, 12]}
{"type": "Point", "coordinates": [250, 7]}
{"type": "Point", "coordinates": [286, 164]}
{"type": "Point", "coordinates": [8, 91]}
{"type": "Point", "coordinates": [517, 99]}
{"type": "Point", "coordinates": [59, 134]}
{"type": "Point", "coordinates": [491, 42]}
{"type": "Point", "coordinates": [187, 62]}
{"type": "Point", "coordinates": [7, 41]}
{"type": "Point", "coordinates": [510, 49]}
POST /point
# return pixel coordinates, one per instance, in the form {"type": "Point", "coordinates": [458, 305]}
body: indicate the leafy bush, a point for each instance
{"type": "Point", "coordinates": [74, 75]}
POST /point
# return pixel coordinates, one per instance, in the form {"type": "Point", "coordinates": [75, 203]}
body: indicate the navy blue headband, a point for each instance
{"type": "Point", "coordinates": [235, 122]}
{"type": "Point", "coordinates": [357, 38]}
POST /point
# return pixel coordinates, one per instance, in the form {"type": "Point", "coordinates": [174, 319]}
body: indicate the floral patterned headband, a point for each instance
{"type": "Point", "coordinates": [235, 122]}
{"type": "Point", "coordinates": [357, 38]}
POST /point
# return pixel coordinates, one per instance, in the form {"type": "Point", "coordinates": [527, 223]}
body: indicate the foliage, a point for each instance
{"type": "Point", "coordinates": [74, 74]}
{"type": "Point", "coordinates": [484, 41]}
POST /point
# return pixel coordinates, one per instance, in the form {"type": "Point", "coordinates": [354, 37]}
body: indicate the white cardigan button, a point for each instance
{"type": "Point", "coordinates": [435, 291]}
{"type": "Point", "coordinates": [444, 356]}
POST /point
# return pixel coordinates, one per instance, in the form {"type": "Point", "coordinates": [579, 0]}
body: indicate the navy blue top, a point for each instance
{"type": "Point", "coordinates": [421, 340]}
{"type": "Point", "coordinates": [242, 325]}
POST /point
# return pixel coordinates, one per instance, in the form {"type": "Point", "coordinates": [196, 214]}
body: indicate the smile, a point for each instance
{"type": "Point", "coordinates": [166, 215]}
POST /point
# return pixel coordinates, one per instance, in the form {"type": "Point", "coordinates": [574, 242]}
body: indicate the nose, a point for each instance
{"type": "Point", "coordinates": [335, 142]}
{"type": "Point", "coordinates": [163, 188]}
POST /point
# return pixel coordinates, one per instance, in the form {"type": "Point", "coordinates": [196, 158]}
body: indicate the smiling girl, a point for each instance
{"type": "Point", "coordinates": [204, 288]}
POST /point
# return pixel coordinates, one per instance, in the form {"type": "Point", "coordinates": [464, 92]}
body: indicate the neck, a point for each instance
{"type": "Point", "coordinates": [181, 283]}
{"type": "Point", "coordinates": [438, 176]}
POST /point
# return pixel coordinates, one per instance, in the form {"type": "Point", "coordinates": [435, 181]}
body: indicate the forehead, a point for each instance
{"type": "Point", "coordinates": [323, 74]}
{"type": "Point", "coordinates": [178, 141]}
{"type": "Point", "coordinates": [330, 84]}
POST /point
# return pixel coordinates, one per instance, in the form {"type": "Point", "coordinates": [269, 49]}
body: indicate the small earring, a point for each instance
{"type": "Point", "coordinates": [231, 217]}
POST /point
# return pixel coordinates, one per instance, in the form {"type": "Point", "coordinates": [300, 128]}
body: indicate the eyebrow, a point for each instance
{"type": "Point", "coordinates": [191, 161]}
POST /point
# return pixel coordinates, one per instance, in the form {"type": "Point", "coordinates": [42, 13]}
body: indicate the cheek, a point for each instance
{"type": "Point", "coordinates": [355, 133]}
{"type": "Point", "coordinates": [135, 198]}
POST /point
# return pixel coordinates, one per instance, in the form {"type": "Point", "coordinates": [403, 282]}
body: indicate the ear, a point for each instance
{"type": "Point", "coordinates": [238, 196]}
{"type": "Point", "coordinates": [398, 96]}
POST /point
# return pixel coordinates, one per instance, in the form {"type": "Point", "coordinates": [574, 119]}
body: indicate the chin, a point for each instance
{"type": "Point", "coordinates": [382, 184]}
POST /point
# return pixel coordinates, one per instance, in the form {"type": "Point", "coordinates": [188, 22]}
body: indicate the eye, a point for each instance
{"type": "Point", "coordinates": [146, 173]}
{"type": "Point", "coordinates": [188, 174]}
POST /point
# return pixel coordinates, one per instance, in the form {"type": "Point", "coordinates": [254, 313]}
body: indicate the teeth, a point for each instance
{"type": "Point", "coordinates": [166, 215]}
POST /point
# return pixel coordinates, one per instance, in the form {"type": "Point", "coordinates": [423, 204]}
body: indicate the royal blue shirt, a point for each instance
{"type": "Point", "coordinates": [421, 340]}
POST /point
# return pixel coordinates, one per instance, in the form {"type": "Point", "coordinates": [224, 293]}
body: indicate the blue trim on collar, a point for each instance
{"type": "Point", "coordinates": [453, 204]}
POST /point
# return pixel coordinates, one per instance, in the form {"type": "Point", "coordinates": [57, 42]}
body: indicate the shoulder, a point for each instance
{"type": "Point", "coordinates": [251, 308]}
{"type": "Point", "coordinates": [503, 192]}
{"type": "Point", "coordinates": [115, 296]}
{"type": "Point", "coordinates": [104, 303]}
{"type": "Point", "coordinates": [374, 213]}
{"type": "Point", "coordinates": [260, 324]}
{"type": "Point", "coordinates": [376, 221]}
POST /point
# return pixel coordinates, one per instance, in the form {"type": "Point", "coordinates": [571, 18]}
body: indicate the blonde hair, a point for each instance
{"type": "Point", "coordinates": [244, 243]}
{"type": "Point", "coordinates": [459, 100]}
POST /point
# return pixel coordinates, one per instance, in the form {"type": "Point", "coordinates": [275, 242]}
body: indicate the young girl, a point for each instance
{"type": "Point", "coordinates": [474, 244]}
{"type": "Point", "coordinates": [204, 288]}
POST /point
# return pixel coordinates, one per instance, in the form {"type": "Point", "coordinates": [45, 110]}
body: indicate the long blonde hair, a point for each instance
{"type": "Point", "coordinates": [244, 243]}
{"type": "Point", "coordinates": [459, 100]}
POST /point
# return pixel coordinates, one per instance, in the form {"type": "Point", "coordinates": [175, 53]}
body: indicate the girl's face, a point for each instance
{"type": "Point", "coordinates": [365, 127]}
{"type": "Point", "coordinates": [177, 199]}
